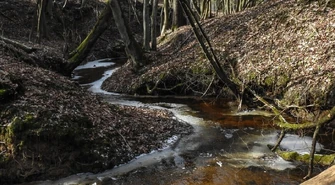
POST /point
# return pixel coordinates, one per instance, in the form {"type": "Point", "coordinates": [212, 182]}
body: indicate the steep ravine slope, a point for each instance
{"type": "Point", "coordinates": [283, 50]}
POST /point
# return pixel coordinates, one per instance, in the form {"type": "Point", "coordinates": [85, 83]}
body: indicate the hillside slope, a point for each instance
{"type": "Point", "coordinates": [283, 50]}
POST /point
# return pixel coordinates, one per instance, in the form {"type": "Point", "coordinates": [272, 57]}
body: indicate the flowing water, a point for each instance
{"type": "Point", "coordinates": [226, 147]}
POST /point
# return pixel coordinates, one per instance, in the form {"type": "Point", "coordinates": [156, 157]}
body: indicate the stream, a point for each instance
{"type": "Point", "coordinates": [226, 147]}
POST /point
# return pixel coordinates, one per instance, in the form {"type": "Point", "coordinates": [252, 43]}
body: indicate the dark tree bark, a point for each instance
{"type": "Point", "coordinates": [208, 50]}
{"type": "Point", "coordinates": [178, 18]}
{"type": "Point", "coordinates": [205, 9]}
{"type": "Point", "coordinates": [146, 26]}
{"type": "Point", "coordinates": [81, 52]}
{"type": "Point", "coordinates": [133, 50]}
{"type": "Point", "coordinates": [166, 20]}
{"type": "Point", "coordinates": [154, 25]}
{"type": "Point", "coordinates": [39, 20]}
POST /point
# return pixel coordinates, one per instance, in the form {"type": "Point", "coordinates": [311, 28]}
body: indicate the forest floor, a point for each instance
{"type": "Point", "coordinates": [50, 126]}
{"type": "Point", "coordinates": [283, 50]}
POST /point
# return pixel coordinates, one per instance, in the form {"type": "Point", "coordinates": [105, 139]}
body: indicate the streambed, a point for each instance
{"type": "Point", "coordinates": [225, 148]}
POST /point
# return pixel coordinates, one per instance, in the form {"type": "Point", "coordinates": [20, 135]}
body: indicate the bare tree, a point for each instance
{"type": "Point", "coordinates": [154, 25]}
{"type": "Point", "coordinates": [166, 20]}
{"type": "Point", "coordinates": [133, 50]}
{"type": "Point", "coordinates": [205, 9]}
{"type": "Point", "coordinates": [39, 21]}
{"type": "Point", "coordinates": [81, 52]}
{"type": "Point", "coordinates": [178, 18]}
{"type": "Point", "coordinates": [146, 25]}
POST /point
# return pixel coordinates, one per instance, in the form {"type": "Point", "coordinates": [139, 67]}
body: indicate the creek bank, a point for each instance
{"type": "Point", "coordinates": [50, 126]}
{"type": "Point", "coordinates": [85, 133]}
{"type": "Point", "coordinates": [282, 49]}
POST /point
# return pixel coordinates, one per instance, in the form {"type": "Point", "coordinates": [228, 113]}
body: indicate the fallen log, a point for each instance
{"type": "Point", "coordinates": [327, 177]}
{"type": "Point", "coordinates": [24, 47]}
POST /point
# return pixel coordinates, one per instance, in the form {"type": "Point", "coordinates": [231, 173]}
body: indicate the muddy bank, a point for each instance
{"type": "Point", "coordinates": [282, 49]}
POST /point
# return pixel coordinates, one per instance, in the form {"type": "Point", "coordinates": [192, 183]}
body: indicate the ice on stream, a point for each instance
{"type": "Point", "coordinates": [97, 63]}
{"type": "Point", "coordinates": [248, 149]}
{"type": "Point", "coordinates": [252, 150]}
{"type": "Point", "coordinates": [96, 86]}
{"type": "Point", "coordinates": [257, 153]}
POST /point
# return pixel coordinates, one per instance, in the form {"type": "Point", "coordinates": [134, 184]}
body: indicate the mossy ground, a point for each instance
{"type": "Point", "coordinates": [318, 158]}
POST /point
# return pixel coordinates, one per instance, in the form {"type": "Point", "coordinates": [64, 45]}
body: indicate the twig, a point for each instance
{"type": "Point", "coordinates": [124, 139]}
{"type": "Point", "coordinates": [181, 45]}
{"type": "Point", "coordinates": [281, 137]}
{"type": "Point", "coordinates": [208, 87]}
{"type": "Point", "coordinates": [5, 16]}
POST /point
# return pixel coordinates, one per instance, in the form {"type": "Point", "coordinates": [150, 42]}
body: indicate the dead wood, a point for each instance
{"type": "Point", "coordinates": [22, 46]}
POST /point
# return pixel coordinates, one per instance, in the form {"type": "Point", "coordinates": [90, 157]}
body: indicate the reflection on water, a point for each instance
{"type": "Point", "coordinates": [226, 148]}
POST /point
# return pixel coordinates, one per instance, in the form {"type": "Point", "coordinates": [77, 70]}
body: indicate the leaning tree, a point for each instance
{"type": "Point", "coordinates": [133, 50]}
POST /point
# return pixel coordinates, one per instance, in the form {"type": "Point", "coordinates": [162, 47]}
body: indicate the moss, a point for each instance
{"type": "Point", "coordinates": [318, 158]}
{"type": "Point", "coordinates": [198, 69]}
{"type": "Point", "coordinates": [294, 126]}
{"type": "Point", "coordinates": [252, 76]}
{"type": "Point", "coordinates": [269, 81]}
{"type": "Point", "coordinates": [283, 80]}
{"type": "Point", "coordinates": [161, 76]}
{"type": "Point", "coordinates": [13, 135]}
{"type": "Point", "coordinates": [287, 155]}
{"type": "Point", "coordinates": [19, 125]}
{"type": "Point", "coordinates": [2, 92]}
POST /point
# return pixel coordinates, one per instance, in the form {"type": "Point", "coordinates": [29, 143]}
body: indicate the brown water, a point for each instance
{"type": "Point", "coordinates": [226, 148]}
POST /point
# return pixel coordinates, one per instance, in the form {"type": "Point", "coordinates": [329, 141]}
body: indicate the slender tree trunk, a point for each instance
{"type": "Point", "coordinates": [40, 18]}
{"type": "Point", "coordinates": [208, 50]}
{"type": "Point", "coordinates": [133, 50]}
{"type": "Point", "coordinates": [205, 9]}
{"type": "Point", "coordinates": [154, 25]}
{"type": "Point", "coordinates": [178, 18]}
{"type": "Point", "coordinates": [146, 26]}
{"type": "Point", "coordinates": [166, 21]}
{"type": "Point", "coordinates": [312, 152]}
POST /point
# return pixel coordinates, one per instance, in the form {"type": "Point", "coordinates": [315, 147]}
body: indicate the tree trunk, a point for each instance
{"type": "Point", "coordinates": [40, 19]}
{"type": "Point", "coordinates": [205, 9]}
{"type": "Point", "coordinates": [154, 25]}
{"type": "Point", "coordinates": [166, 22]}
{"type": "Point", "coordinates": [146, 26]}
{"type": "Point", "coordinates": [81, 52]}
{"type": "Point", "coordinates": [178, 18]}
{"type": "Point", "coordinates": [133, 50]}
{"type": "Point", "coordinates": [208, 50]}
